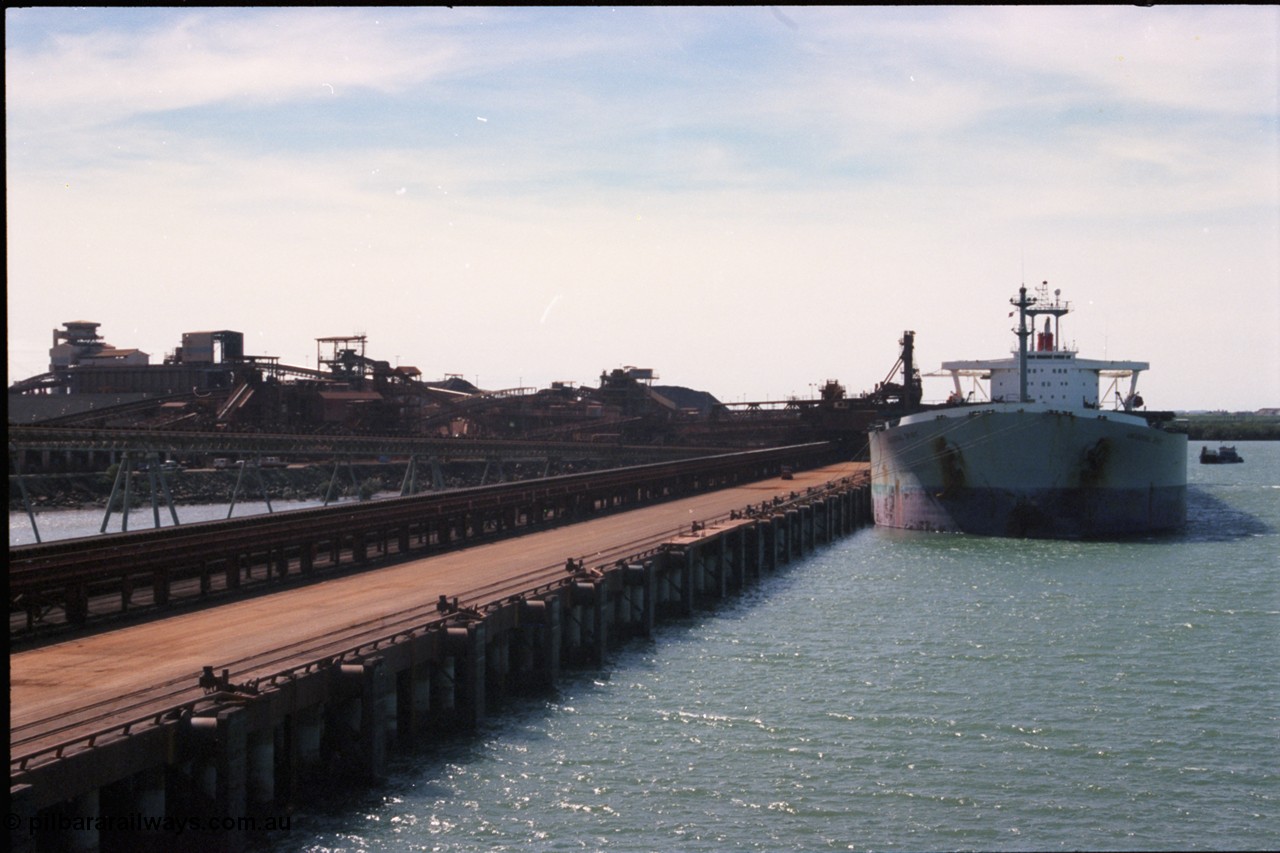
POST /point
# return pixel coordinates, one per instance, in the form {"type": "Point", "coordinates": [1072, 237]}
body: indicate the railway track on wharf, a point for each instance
{"type": "Point", "coordinates": [71, 583]}
{"type": "Point", "coordinates": [75, 691]}
{"type": "Point", "coordinates": [182, 689]}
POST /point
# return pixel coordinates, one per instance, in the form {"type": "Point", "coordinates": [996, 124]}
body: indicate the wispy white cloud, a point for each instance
{"type": "Point", "coordinates": [215, 56]}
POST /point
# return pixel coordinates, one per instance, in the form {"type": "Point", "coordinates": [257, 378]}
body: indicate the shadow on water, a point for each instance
{"type": "Point", "coordinates": [1211, 519]}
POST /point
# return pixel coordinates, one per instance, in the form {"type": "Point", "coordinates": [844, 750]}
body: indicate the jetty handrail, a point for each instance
{"type": "Point", "coordinates": [50, 570]}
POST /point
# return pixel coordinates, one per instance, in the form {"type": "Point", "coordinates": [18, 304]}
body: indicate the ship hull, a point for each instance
{"type": "Point", "coordinates": [1005, 470]}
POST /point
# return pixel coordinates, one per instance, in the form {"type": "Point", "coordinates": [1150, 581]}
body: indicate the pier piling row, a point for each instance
{"type": "Point", "coordinates": [217, 773]}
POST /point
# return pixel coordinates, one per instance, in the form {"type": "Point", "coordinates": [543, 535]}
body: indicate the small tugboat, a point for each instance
{"type": "Point", "coordinates": [1222, 456]}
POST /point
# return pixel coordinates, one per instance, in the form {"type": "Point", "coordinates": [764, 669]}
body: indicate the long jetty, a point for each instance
{"type": "Point", "coordinates": [201, 730]}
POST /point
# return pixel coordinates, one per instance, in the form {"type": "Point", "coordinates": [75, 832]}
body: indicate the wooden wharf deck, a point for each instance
{"type": "Point", "coordinates": [371, 658]}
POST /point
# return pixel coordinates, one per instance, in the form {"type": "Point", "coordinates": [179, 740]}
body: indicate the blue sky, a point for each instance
{"type": "Point", "coordinates": [748, 200]}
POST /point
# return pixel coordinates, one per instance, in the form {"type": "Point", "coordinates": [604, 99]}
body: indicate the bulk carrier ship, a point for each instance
{"type": "Point", "coordinates": [1041, 458]}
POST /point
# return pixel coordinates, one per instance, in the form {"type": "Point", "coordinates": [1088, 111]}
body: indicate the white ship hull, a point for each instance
{"type": "Point", "coordinates": [1010, 469]}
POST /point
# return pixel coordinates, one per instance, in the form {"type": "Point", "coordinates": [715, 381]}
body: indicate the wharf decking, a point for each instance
{"type": "Point", "coordinates": [516, 621]}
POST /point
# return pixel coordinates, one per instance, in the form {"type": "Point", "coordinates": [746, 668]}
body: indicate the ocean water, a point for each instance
{"type": "Point", "coordinates": [896, 691]}
{"type": "Point", "coordinates": [900, 691]}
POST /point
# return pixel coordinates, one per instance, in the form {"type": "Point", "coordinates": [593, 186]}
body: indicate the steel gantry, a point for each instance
{"type": "Point", "coordinates": [34, 448]}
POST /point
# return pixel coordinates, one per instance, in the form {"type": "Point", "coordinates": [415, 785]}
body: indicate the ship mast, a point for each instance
{"type": "Point", "coordinates": [1023, 302]}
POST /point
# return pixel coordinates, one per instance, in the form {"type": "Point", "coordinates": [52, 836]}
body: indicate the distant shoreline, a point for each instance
{"type": "Point", "coordinates": [1226, 426]}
